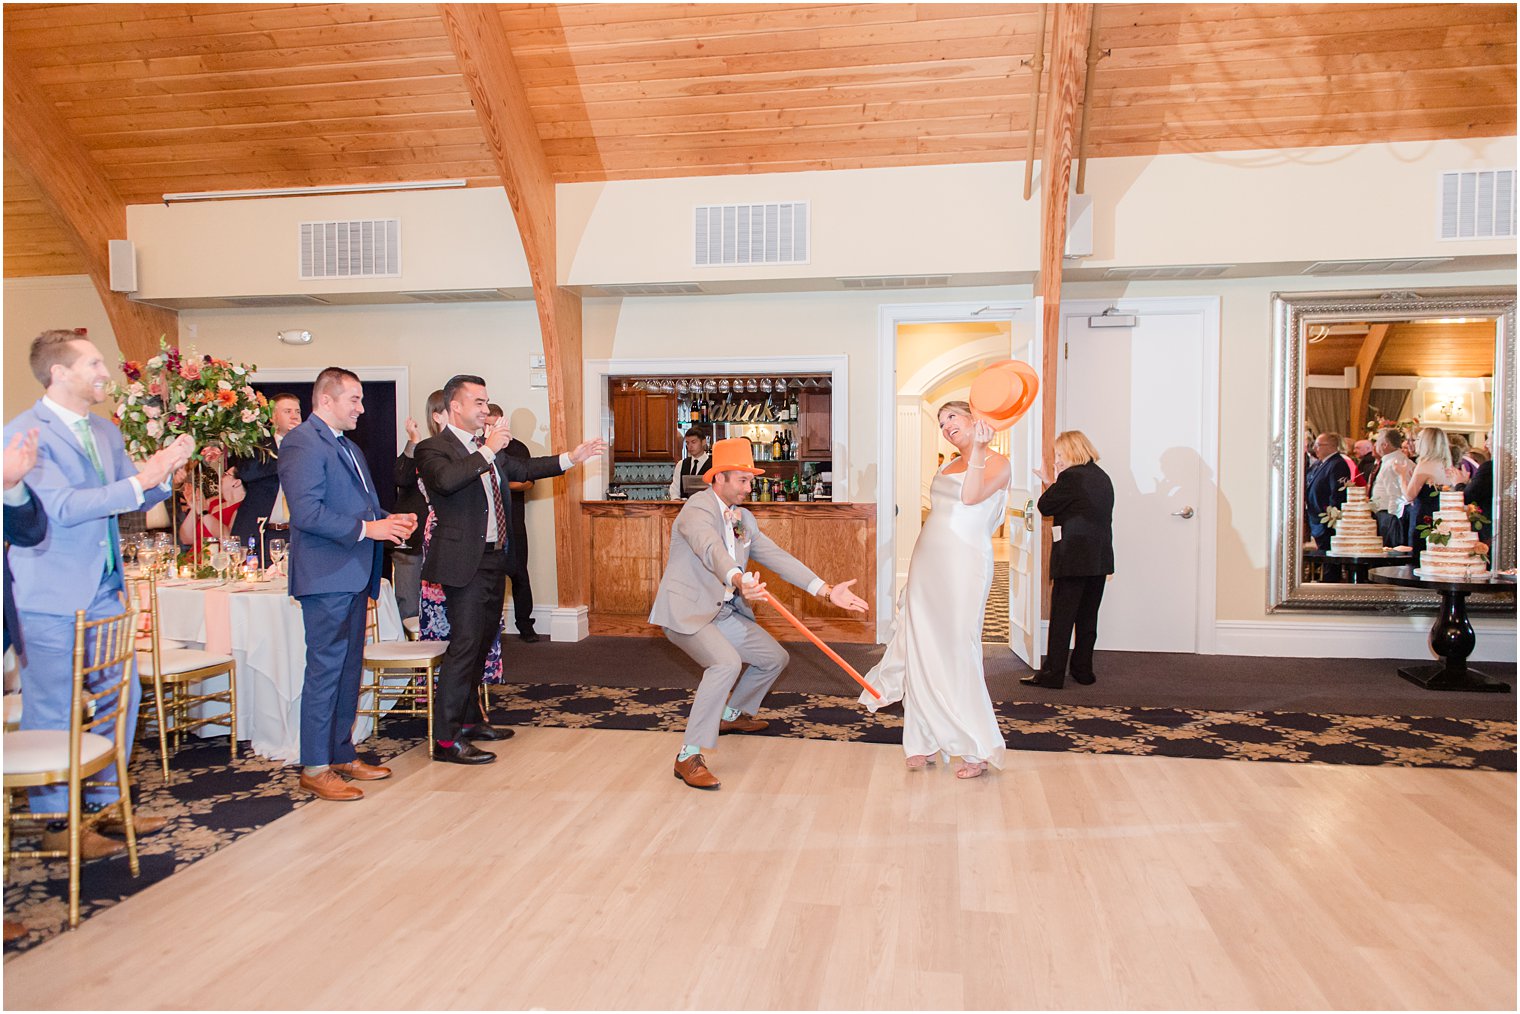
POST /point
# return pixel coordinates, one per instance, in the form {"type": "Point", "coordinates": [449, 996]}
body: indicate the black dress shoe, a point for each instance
{"type": "Point", "coordinates": [529, 636]}
{"type": "Point", "coordinates": [1040, 679]}
{"type": "Point", "coordinates": [462, 752]}
{"type": "Point", "coordinates": [485, 733]}
{"type": "Point", "coordinates": [1086, 680]}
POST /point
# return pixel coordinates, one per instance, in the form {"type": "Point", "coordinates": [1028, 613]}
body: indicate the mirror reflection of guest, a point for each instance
{"type": "Point", "coordinates": [1387, 494]}
{"type": "Point", "coordinates": [1422, 480]}
{"type": "Point", "coordinates": [694, 463]}
{"type": "Point", "coordinates": [1080, 499]}
{"type": "Point", "coordinates": [1480, 491]}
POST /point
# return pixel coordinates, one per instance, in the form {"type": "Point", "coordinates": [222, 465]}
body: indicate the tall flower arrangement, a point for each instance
{"type": "Point", "coordinates": [176, 392]}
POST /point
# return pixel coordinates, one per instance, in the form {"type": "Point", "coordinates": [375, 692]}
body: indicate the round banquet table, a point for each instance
{"type": "Point", "coordinates": [1357, 564]}
{"type": "Point", "coordinates": [1451, 635]}
{"type": "Point", "coordinates": [268, 638]}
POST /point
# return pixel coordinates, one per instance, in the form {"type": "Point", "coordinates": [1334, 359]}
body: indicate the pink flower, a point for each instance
{"type": "Point", "coordinates": [181, 408]}
{"type": "Point", "coordinates": [156, 388]}
{"type": "Point", "coordinates": [190, 370]}
{"type": "Point", "coordinates": [250, 414]}
{"type": "Point", "coordinates": [154, 428]}
{"type": "Point", "coordinates": [153, 411]}
{"type": "Point", "coordinates": [223, 385]}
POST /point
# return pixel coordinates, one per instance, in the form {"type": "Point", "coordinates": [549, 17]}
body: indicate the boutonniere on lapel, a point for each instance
{"type": "Point", "coordinates": [736, 520]}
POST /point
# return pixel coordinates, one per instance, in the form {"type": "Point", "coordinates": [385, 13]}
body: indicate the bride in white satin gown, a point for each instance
{"type": "Point", "coordinates": [933, 663]}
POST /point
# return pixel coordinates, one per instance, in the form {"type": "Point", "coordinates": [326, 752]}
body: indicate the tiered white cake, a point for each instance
{"type": "Point", "coordinates": [1459, 557]}
{"type": "Point", "coordinates": [1356, 532]}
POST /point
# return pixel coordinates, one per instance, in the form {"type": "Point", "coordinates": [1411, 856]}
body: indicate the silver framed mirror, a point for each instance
{"type": "Point", "coordinates": [1342, 356]}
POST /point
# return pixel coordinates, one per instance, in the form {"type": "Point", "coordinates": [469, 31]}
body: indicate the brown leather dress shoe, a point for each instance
{"type": "Point", "coordinates": [328, 785]}
{"type": "Point", "coordinates": [362, 772]}
{"type": "Point", "coordinates": [91, 844]}
{"type": "Point", "coordinates": [142, 823]}
{"type": "Point", "coordinates": [15, 930]}
{"type": "Point", "coordinates": [744, 723]}
{"type": "Point", "coordinates": [693, 771]}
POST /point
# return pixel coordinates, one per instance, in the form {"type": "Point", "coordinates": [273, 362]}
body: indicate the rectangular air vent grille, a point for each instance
{"type": "Point", "coordinates": [1478, 205]}
{"type": "Point", "coordinates": [652, 289]}
{"type": "Point", "coordinates": [896, 282]}
{"type": "Point", "coordinates": [1379, 267]}
{"type": "Point", "coordinates": [294, 299]}
{"type": "Point", "coordinates": [751, 234]}
{"type": "Point", "coordinates": [1172, 271]}
{"type": "Point", "coordinates": [459, 296]}
{"type": "Point", "coordinates": [364, 249]}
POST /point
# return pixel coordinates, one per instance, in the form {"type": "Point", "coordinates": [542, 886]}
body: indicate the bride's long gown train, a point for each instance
{"type": "Point", "coordinates": [933, 663]}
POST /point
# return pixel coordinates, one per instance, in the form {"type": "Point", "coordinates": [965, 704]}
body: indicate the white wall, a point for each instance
{"type": "Point", "coordinates": [35, 305]}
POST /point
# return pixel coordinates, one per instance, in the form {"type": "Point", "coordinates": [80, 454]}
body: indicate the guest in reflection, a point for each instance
{"type": "Point", "coordinates": [1366, 460]}
{"type": "Point", "coordinates": [1422, 481]}
{"type": "Point", "coordinates": [1326, 486]}
{"type": "Point", "coordinates": [695, 462]}
{"type": "Point", "coordinates": [1387, 494]}
{"type": "Point", "coordinates": [1462, 455]}
{"type": "Point", "coordinates": [517, 549]}
{"type": "Point", "coordinates": [1080, 499]}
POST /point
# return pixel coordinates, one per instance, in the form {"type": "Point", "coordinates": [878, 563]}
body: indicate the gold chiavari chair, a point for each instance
{"type": "Point", "coordinates": [175, 678]}
{"type": "Point", "coordinates": [103, 669]}
{"type": "Point", "coordinates": [416, 662]}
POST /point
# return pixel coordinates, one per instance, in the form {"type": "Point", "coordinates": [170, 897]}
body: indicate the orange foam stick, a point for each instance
{"type": "Point", "coordinates": [847, 667]}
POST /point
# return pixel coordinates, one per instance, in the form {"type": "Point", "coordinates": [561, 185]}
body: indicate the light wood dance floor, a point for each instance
{"type": "Point", "coordinates": [577, 873]}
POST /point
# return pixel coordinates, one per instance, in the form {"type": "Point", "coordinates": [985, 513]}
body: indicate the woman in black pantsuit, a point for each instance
{"type": "Point", "coordinates": [1081, 502]}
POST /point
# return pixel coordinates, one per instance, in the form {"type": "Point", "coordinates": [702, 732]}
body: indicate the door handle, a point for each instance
{"type": "Point", "coordinates": [1184, 514]}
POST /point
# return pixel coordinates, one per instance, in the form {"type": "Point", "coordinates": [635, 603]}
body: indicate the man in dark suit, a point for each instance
{"type": "Point", "coordinates": [84, 479]}
{"type": "Point", "coordinates": [466, 476]}
{"type": "Point", "coordinates": [517, 549]}
{"type": "Point", "coordinates": [262, 497]}
{"type": "Point", "coordinates": [1326, 488]}
{"type": "Point", "coordinates": [337, 527]}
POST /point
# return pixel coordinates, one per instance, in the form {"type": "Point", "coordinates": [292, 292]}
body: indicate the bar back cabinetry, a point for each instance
{"type": "Point", "coordinates": [630, 542]}
{"type": "Point", "coordinates": [815, 428]}
{"type": "Point", "coordinates": [644, 426]}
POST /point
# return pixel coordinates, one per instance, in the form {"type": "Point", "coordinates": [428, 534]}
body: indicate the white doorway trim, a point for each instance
{"type": "Point", "coordinates": [398, 375]}
{"type": "Point", "coordinates": [597, 410]}
{"type": "Point", "coordinates": [1207, 308]}
{"type": "Point", "coordinates": [889, 316]}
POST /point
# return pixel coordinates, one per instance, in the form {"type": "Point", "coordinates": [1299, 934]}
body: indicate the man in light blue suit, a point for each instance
{"type": "Point", "coordinates": [336, 529]}
{"type": "Point", "coordinates": [83, 479]}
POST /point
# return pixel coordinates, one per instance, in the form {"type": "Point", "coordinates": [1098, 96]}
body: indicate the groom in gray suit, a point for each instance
{"type": "Point", "coordinates": [712, 541]}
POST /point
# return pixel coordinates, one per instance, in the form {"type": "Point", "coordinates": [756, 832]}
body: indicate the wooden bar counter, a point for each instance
{"type": "Point", "coordinates": [630, 541]}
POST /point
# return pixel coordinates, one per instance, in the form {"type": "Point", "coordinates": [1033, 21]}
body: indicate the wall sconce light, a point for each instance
{"type": "Point", "coordinates": [295, 336]}
{"type": "Point", "coordinates": [1451, 407]}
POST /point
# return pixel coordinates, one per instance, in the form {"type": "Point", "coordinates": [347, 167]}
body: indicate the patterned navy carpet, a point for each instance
{"type": "Point", "coordinates": [213, 803]}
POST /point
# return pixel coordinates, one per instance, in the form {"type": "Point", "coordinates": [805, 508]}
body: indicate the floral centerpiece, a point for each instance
{"type": "Point", "coordinates": [206, 397]}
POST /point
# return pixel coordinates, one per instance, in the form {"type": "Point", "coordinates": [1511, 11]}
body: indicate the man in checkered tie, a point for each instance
{"type": "Point", "coordinates": [84, 479]}
{"type": "Point", "coordinates": [467, 475]}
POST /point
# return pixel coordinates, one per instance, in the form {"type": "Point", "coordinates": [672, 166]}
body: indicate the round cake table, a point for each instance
{"type": "Point", "coordinates": [1356, 564]}
{"type": "Point", "coordinates": [1451, 636]}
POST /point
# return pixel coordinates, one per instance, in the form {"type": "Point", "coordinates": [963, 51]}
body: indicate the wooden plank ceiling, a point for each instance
{"type": "Point", "coordinates": [1426, 348]}
{"type": "Point", "coordinates": [188, 97]}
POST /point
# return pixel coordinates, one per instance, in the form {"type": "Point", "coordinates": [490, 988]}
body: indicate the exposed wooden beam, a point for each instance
{"type": "Point", "coordinates": [76, 193]}
{"type": "Point", "coordinates": [1068, 47]}
{"type": "Point", "coordinates": [480, 44]}
{"type": "Point", "coordinates": [1366, 367]}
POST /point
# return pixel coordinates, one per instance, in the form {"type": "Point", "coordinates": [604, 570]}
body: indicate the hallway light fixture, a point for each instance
{"type": "Point", "coordinates": [1113, 318]}
{"type": "Point", "coordinates": [337, 188]}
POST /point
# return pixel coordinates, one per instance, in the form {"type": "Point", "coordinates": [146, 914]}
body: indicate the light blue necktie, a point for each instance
{"type": "Point", "coordinates": [87, 441]}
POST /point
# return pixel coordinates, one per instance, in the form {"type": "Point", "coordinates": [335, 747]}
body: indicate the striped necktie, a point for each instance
{"type": "Point", "coordinates": [87, 441]}
{"type": "Point", "coordinates": [497, 507]}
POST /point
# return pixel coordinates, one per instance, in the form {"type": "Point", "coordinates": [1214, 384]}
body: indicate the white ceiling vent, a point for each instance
{"type": "Point", "coordinates": [459, 296]}
{"type": "Point", "coordinates": [1173, 271]}
{"type": "Point", "coordinates": [1478, 205]}
{"type": "Point", "coordinates": [896, 282]}
{"type": "Point", "coordinates": [292, 299]}
{"type": "Point", "coordinates": [652, 289]}
{"type": "Point", "coordinates": [364, 249]}
{"type": "Point", "coordinates": [1380, 267]}
{"type": "Point", "coordinates": [751, 234]}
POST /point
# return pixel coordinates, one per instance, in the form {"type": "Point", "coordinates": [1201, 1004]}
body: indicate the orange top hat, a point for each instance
{"type": "Point", "coordinates": [736, 454]}
{"type": "Point", "coordinates": [1003, 392]}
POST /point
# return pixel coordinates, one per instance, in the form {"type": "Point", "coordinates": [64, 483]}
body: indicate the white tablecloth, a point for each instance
{"type": "Point", "coordinates": [269, 643]}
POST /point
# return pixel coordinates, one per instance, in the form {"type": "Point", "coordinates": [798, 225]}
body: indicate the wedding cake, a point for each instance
{"type": "Point", "coordinates": [1356, 532]}
{"type": "Point", "coordinates": [1458, 558]}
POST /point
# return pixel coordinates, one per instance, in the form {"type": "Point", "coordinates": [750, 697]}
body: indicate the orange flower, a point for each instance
{"type": "Point", "coordinates": [226, 399]}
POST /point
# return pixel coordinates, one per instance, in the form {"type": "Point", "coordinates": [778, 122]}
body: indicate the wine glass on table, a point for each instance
{"type": "Point", "coordinates": [277, 553]}
{"type": "Point", "coordinates": [237, 554]}
{"type": "Point", "coordinates": [220, 561]}
{"type": "Point", "coordinates": [129, 554]}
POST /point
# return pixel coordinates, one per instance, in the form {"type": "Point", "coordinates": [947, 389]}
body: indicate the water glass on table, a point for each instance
{"type": "Point", "coordinates": [277, 551]}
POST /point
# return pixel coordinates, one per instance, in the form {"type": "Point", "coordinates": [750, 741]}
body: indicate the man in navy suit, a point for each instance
{"type": "Point", "coordinates": [25, 524]}
{"type": "Point", "coordinates": [336, 529]}
{"type": "Point", "coordinates": [83, 479]}
{"type": "Point", "coordinates": [262, 497]}
{"type": "Point", "coordinates": [1326, 488]}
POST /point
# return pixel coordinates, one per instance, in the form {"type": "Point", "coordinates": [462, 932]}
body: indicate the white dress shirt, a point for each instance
{"type": "Point", "coordinates": [701, 466]}
{"type": "Point", "coordinates": [1388, 488]}
{"type": "Point", "coordinates": [467, 438]}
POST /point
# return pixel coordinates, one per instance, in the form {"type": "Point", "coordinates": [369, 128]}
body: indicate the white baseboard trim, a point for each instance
{"type": "Point", "coordinates": [1384, 637]}
{"type": "Point", "coordinates": [569, 623]}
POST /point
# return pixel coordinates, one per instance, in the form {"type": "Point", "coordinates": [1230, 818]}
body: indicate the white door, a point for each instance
{"type": "Point", "coordinates": [1025, 571]}
{"type": "Point", "coordinates": [1146, 396]}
